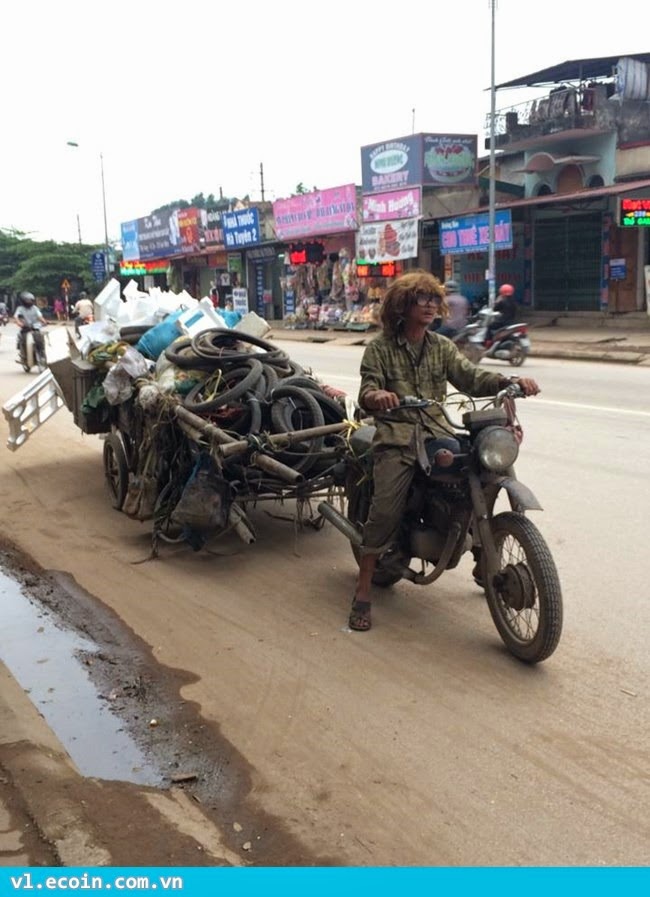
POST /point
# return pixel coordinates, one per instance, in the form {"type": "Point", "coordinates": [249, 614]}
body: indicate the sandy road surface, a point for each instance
{"type": "Point", "coordinates": [421, 742]}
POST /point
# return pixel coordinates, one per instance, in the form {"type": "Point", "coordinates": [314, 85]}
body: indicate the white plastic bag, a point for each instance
{"type": "Point", "coordinates": [118, 383]}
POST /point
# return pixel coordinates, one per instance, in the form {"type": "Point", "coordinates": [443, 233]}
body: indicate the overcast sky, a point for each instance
{"type": "Point", "coordinates": [188, 97]}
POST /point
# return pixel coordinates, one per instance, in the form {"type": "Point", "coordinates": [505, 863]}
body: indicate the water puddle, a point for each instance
{"type": "Point", "coordinates": [43, 659]}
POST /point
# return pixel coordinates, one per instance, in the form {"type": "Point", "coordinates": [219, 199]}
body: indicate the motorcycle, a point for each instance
{"type": "Point", "coordinates": [32, 349]}
{"type": "Point", "coordinates": [510, 343]}
{"type": "Point", "coordinates": [450, 511]}
{"type": "Point", "coordinates": [4, 318]}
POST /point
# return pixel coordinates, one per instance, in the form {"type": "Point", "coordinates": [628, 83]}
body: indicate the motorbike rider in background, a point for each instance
{"type": "Point", "coordinates": [407, 358]}
{"type": "Point", "coordinates": [83, 311]}
{"type": "Point", "coordinates": [506, 305]}
{"type": "Point", "coordinates": [28, 316]}
{"type": "Point", "coordinates": [458, 315]}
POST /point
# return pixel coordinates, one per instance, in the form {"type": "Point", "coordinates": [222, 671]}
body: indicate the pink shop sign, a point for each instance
{"type": "Point", "coordinates": [390, 206]}
{"type": "Point", "coordinates": [321, 212]}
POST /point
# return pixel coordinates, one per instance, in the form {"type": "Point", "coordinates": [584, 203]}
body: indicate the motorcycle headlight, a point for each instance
{"type": "Point", "coordinates": [497, 448]}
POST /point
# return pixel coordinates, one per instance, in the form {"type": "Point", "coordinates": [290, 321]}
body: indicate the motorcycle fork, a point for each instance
{"type": "Point", "coordinates": [482, 515]}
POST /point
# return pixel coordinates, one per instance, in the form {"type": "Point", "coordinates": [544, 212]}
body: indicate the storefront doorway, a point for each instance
{"type": "Point", "coordinates": [568, 263]}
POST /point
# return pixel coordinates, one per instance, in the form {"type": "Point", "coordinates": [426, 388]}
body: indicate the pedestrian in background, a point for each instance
{"type": "Point", "coordinates": [59, 309]}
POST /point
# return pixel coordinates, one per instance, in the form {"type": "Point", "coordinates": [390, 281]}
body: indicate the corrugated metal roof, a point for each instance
{"type": "Point", "coordinates": [573, 70]}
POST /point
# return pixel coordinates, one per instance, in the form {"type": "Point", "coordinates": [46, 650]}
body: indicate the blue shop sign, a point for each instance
{"type": "Point", "coordinates": [471, 233]}
{"type": "Point", "coordinates": [98, 265]}
{"type": "Point", "coordinates": [241, 229]}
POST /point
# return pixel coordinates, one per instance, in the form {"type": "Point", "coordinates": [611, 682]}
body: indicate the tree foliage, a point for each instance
{"type": "Point", "coordinates": [42, 266]}
{"type": "Point", "coordinates": [199, 201]}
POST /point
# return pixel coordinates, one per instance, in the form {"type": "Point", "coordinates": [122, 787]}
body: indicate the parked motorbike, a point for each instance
{"type": "Point", "coordinates": [32, 349]}
{"type": "Point", "coordinates": [510, 343]}
{"type": "Point", "coordinates": [450, 511]}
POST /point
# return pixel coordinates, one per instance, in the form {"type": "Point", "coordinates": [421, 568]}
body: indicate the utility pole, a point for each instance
{"type": "Point", "coordinates": [79, 228]}
{"type": "Point", "coordinates": [413, 120]}
{"type": "Point", "coordinates": [106, 246]}
{"type": "Point", "coordinates": [262, 179]}
{"type": "Point", "coordinates": [492, 193]}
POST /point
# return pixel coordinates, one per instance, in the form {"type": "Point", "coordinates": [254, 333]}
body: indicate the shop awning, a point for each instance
{"type": "Point", "coordinates": [579, 195]}
{"type": "Point", "coordinates": [573, 70]}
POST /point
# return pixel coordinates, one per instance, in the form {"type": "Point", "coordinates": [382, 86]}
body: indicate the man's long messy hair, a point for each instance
{"type": "Point", "coordinates": [400, 296]}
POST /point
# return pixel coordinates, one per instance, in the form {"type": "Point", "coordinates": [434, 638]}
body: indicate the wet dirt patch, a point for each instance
{"type": "Point", "coordinates": [185, 750]}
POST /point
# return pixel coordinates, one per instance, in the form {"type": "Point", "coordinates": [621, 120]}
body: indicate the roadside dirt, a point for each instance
{"type": "Point", "coordinates": [191, 754]}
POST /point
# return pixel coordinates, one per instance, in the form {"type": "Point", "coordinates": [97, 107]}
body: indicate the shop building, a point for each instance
{"type": "Point", "coordinates": [316, 251]}
{"type": "Point", "coordinates": [581, 151]}
{"type": "Point", "coordinates": [406, 182]}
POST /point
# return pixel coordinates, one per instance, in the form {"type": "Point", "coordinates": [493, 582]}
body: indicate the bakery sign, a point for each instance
{"type": "Point", "coordinates": [387, 241]}
{"type": "Point", "coordinates": [449, 159]}
{"type": "Point", "coordinates": [391, 165]}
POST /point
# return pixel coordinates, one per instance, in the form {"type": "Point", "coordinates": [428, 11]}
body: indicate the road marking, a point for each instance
{"type": "Point", "coordinates": [577, 406]}
{"type": "Point", "coordinates": [582, 407]}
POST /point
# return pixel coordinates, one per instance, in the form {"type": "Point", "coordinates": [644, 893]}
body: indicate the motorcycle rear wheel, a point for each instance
{"type": "Point", "coordinates": [358, 508]}
{"type": "Point", "coordinates": [525, 597]}
{"type": "Point", "coordinates": [517, 355]}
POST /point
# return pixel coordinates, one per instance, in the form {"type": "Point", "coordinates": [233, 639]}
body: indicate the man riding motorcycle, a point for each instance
{"type": "Point", "coordinates": [28, 316]}
{"type": "Point", "coordinates": [408, 359]}
{"type": "Point", "coordinates": [506, 305]}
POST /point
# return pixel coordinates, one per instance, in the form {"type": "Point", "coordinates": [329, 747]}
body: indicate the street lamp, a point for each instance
{"type": "Point", "coordinates": [101, 165]}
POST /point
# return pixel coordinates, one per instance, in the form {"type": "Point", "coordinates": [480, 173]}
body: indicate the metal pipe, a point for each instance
{"type": "Point", "coordinates": [492, 191]}
{"type": "Point", "coordinates": [342, 524]}
{"type": "Point", "coordinates": [283, 439]}
{"type": "Point", "coordinates": [277, 468]}
{"type": "Point", "coordinates": [211, 430]}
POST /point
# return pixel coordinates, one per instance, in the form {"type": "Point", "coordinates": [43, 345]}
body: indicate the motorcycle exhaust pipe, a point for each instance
{"type": "Point", "coordinates": [341, 523]}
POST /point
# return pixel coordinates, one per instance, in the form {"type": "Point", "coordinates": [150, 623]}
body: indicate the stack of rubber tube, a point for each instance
{"type": "Point", "coordinates": [251, 389]}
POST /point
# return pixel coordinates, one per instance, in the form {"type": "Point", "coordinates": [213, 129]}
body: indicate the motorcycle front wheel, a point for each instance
{"type": "Point", "coordinates": [525, 597]}
{"type": "Point", "coordinates": [40, 358]}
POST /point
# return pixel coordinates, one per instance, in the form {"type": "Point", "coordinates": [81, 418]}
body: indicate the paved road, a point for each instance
{"type": "Point", "coordinates": [421, 742]}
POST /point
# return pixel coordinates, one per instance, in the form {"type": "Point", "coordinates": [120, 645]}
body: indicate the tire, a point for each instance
{"type": "Point", "coordinates": [528, 592]}
{"type": "Point", "coordinates": [359, 498]}
{"type": "Point", "coordinates": [116, 470]}
{"type": "Point", "coordinates": [517, 355]}
{"type": "Point", "coordinates": [39, 356]}
{"type": "Point", "coordinates": [250, 374]}
{"type": "Point", "coordinates": [282, 419]}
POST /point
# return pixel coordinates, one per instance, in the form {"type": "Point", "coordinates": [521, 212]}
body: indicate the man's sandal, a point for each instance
{"type": "Point", "coordinates": [360, 619]}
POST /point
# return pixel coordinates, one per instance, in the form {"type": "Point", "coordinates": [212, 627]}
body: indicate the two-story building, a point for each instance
{"type": "Point", "coordinates": [580, 155]}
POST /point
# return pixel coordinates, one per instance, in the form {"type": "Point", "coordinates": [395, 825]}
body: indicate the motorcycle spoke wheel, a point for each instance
{"type": "Point", "coordinates": [525, 597]}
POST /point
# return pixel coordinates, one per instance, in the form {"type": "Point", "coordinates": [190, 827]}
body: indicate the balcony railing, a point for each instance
{"type": "Point", "coordinates": [560, 110]}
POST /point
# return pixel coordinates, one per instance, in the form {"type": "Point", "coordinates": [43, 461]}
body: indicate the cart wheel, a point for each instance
{"type": "Point", "coordinates": [116, 470]}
